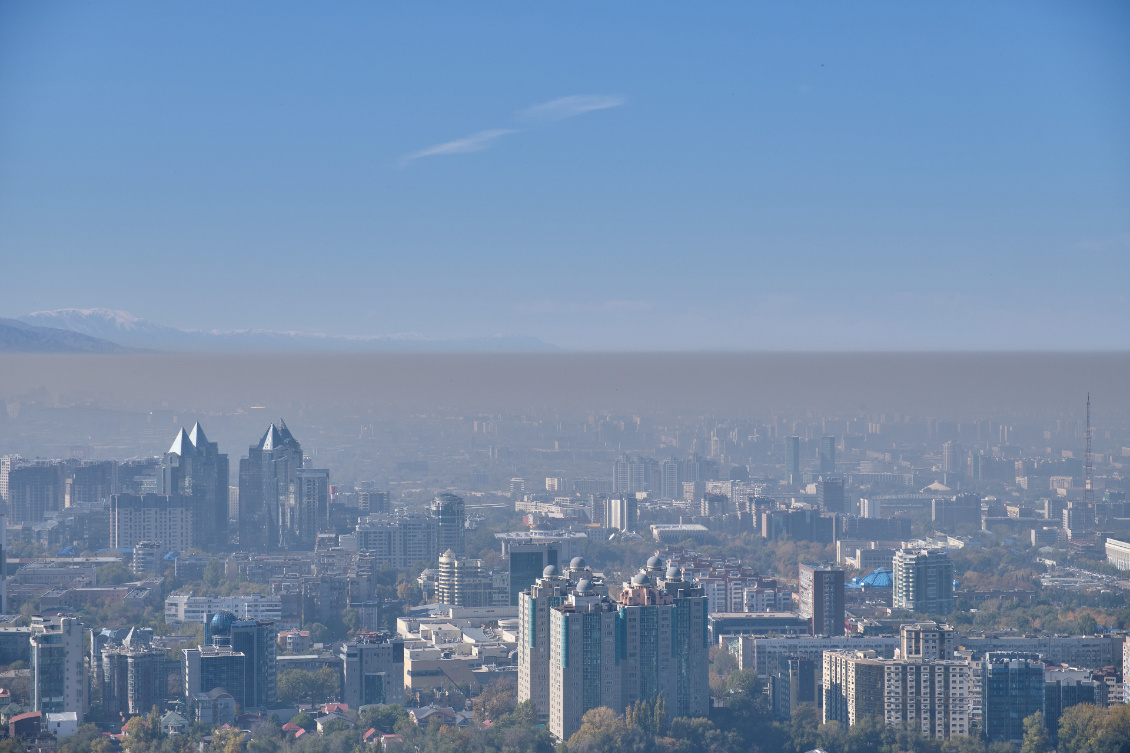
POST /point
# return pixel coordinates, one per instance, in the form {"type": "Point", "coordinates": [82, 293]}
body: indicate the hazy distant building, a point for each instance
{"type": "Point", "coordinates": [30, 489]}
{"type": "Point", "coordinates": [195, 469]}
{"type": "Point", "coordinates": [164, 519]}
{"type": "Point", "coordinates": [949, 513]}
{"type": "Point", "coordinates": [827, 456]}
{"type": "Point", "coordinates": [451, 522]}
{"type": "Point", "coordinates": [307, 508]}
{"type": "Point", "coordinates": [830, 495]}
{"type": "Point", "coordinates": [372, 501]}
{"type": "Point", "coordinates": [792, 460]}
{"type": "Point", "coordinates": [398, 541]}
{"type": "Point", "coordinates": [621, 512]}
{"type": "Point", "coordinates": [265, 478]}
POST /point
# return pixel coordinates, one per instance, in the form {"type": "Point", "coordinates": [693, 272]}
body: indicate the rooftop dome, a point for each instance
{"type": "Point", "coordinates": [577, 563]}
{"type": "Point", "coordinates": [879, 579]}
{"type": "Point", "coordinates": [222, 622]}
{"type": "Point", "coordinates": [654, 561]}
{"type": "Point", "coordinates": [584, 586]}
{"type": "Point", "coordinates": [674, 573]}
{"type": "Point", "coordinates": [639, 579]}
{"type": "Point", "coordinates": [549, 571]}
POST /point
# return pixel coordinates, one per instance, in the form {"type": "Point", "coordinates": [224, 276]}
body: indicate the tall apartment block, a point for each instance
{"type": "Point", "coordinates": [373, 501]}
{"type": "Point", "coordinates": [927, 641]}
{"type": "Point", "coordinates": [931, 697]}
{"type": "Point", "coordinates": [307, 507]}
{"type": "Point", "coordinates": [923, 581]}
{"type": "Point", "coordinates": [165, 519]}
{"type": "Point", "coordinates": [578, 649]}
{"type": "Point", "coordinates": [398, 541]}
{"type": "Point", "coordinates": [463, 582]}
{"type": "Point", "coordinates": [534, 605]}
{"type": "Point", "coordinates": [822, 598]}
{"type": "Point", "coordinates": [853, 686]}
{"type": "Point", "coordinates": [58, 672]}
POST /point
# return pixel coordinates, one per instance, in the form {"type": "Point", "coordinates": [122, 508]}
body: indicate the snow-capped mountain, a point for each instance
{"type": "Point", "coordinates": [126, 329]}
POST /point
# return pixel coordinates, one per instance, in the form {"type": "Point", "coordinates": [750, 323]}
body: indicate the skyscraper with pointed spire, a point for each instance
{"type": "Point", "coordinates": [265, 479]}
{"type": "Point", "coordinates": [195, 468]}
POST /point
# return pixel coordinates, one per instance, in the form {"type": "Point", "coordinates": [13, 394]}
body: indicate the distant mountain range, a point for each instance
{"type": "Point", "coordinates": [109, 331]}
{"type": "Point", "coordinates": [19, 337]}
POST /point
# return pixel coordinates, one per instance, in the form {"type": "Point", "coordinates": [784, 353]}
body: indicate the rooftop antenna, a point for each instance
{"type": "Point", "coordinates": [1088, 466]}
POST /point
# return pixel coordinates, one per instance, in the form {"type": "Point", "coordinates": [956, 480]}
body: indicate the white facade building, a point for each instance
{"type": "Point", "coordinates": [186, 608]}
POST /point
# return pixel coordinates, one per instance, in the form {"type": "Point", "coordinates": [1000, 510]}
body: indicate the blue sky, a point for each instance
{"type": "Point", "coordinates": [603, 176]}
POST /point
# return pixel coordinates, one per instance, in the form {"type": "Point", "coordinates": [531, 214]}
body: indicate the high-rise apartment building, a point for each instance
{"type": "Point", "coordinates": [195, 469]}
{"type": "Point", "coordinates": [821, 595]}
{"type": "Point", "coordinates": [31, 489]}
{"type": "Point", "coordinates": [534, 605]}
{"type": "Point", "coordinates": [927, 641]}
{"type": "Point", "coordinates": [923, 581]}
{"type": "Point", "coordinates": [265, 479]}
{"type": "Point", "coordinates": [164, 519]}
{"type": "Point", "coordinates": [373, 502]}
{"type": "Point", "coordinates": [132, 676]}
{"type": "Point", "coordinates": [463, 582]}
{"type": "Point", "coordinates": [373, 670]}
{"type": "Point", "coordinates": [621, 512]}
{"type": "Point", "coordinates": [451, 522]}
{"type": "Point", "coordinates": [827, 455]}
{"type": "Point", "coordinates": [307, 507]}
{"type": "Point", "coordinates": [953, 463]}
{"type": "Point", "coordinates": [58, 673]}
{"type": "Point", "coordinates": [87, 482]}
{"type": "Point", "coordinates": [960, 510]}
{"type": "Point", "coordinates": [398, 541]}
{"type": "Point", "coordinates": [578, 649]}
{"type": "Point", "coordinates": [853, 686]}
{"type": "Point", "coordinates": [792, 460]}
{"type": "Point", "coordinates": [931, 697]}
{"type": "Point", "coordinates": [1012, 688]}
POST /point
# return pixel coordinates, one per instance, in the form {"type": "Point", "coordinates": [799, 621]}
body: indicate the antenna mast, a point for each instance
{"type": "Point", "coordinates": [1088, 466]}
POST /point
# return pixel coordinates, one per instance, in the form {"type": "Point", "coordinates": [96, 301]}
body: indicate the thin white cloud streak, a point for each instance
{"type": "Point", "coordinates": [476, 142]}
{"type": "Point", "coordinates": [568, 107]}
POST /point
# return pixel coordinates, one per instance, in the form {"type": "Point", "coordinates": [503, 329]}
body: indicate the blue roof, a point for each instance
{"type": "Point", "coordinates": [881, 578]}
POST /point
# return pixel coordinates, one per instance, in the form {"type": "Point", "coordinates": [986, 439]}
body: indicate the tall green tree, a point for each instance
{"type": "Point", "coordinates": [1035, 735]}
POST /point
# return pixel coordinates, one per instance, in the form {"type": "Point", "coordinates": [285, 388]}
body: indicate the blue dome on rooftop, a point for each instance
{"type": "Point", "coordinates": [222, 622]}
{"type": "Point", "coordinates": [879, 579]}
